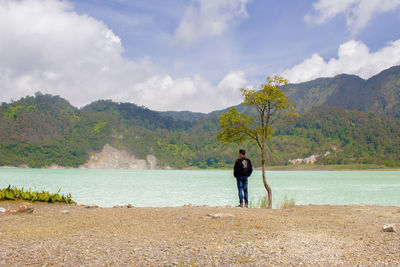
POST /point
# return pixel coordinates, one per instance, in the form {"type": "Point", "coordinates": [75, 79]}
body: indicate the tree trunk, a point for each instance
{"type": "Point", "coordinates": [267, 187]}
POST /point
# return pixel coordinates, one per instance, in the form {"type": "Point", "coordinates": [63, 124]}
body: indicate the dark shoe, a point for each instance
{"type": "Point", "coordinates": [240, 205]}
{"type": "Point", "coordinates": [246, 205]}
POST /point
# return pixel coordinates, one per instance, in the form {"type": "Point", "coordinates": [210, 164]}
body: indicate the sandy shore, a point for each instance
{"type": "Point", "coordinates": [66, 235]}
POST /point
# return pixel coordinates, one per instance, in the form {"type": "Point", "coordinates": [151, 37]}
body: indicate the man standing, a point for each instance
{"type": "Point", "coordinates": [242, 171]}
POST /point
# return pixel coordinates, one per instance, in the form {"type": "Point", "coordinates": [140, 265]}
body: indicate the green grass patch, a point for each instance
{"type": "Point", "coordinates": [13, 193]}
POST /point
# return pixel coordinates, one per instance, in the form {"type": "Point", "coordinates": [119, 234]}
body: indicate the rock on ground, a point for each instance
{"type": "Point", "coordinates": [24, 207]}
{"type": "Point", "coordinates": [221, 215]}
{"type": "Point", "coordinates": [389, 228]}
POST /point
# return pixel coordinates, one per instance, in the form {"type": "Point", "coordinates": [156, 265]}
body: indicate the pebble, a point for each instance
{"type": "Point", "coordinates": [389, 228]}
{"type": "Point", "coordinates": [91, 206]}
{"type": "Point", "coordinates": [221, 215]}
{"type": "Point", "coordinates": [65, 212]}
{"type": "Point", "coordinates": [123, 206]}
{"type": "Point", "coordinates": [23, 208]}
{"type": "Point", "coordinates": [180, 219]}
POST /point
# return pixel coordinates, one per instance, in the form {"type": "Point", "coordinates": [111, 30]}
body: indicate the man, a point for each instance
{"type": "Point", "coordinates": [242, 170]}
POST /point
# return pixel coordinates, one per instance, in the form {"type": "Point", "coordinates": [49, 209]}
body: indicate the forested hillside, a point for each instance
{"type": "Point", "coordinates": [44, 130]}
{"type": "Point", "coordinates": [380, 94]}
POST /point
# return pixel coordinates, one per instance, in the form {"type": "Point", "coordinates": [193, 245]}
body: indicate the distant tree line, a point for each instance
{"type": "Point", "coordinates": [44, 130]}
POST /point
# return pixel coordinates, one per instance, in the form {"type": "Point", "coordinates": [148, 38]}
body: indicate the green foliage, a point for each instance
{"type": "Point", "coordinates": [235, 127]}
{"type": "Point", "coordinates": [99, 126]}
{"type": "Point", "coordinates": [13, 193]}
{"type": "Point", "coordinates": [12, 111]}
{"type": "Point", "coordinates": [379, 94]}
{"type": "Point", "coordinates": [270, 105]}
{"type": "Point", "coordinates": [54, 132]}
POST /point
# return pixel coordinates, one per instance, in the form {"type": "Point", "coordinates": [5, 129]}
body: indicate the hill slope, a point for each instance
{"type": "Point", "coordinates": [44, 130]}
{"type": "Point", "coordinates": [380, 94]}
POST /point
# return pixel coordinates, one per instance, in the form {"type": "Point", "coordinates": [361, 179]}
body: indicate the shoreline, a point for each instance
{"type": "Point", "coordinates": [326, 235]}
{"type": "Point", "coordinates": [293, 167]}
{"type": "Point", "coordinates": [10, 203]}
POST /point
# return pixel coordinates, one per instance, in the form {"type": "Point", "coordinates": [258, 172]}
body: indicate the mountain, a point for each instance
{"type": "Point", "coordinates": [346, 119]}
{"type": "Point", "coordinates": [45, 130]}
{"type": "Point", "coordinates": [37, 119]}
{"type": "Point", "coordinates": [379, 94]}
{"type": "Point", "coordinates": [183, 115]}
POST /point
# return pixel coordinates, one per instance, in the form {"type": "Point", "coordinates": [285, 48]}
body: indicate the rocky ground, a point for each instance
{"type": "Point", "coordinates": [67, 235]}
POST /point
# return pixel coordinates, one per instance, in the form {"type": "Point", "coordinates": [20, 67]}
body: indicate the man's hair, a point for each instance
{"type": "Point", "coordinates": [241, 151]}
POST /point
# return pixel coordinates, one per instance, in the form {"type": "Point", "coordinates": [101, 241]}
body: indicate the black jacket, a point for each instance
{"type": "Point", "coordinates": [242, 167]}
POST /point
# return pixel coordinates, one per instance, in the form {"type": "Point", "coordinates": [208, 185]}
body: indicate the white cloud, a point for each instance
{"type": "Point", "coordinates": [208, 18]}
{"type": "Point", "coordinates": [354, 57]}
{"type": "Point", "coordinates": [196, 94]}
{"type": "Point", "coordinates": [49, 47]}
{"type": "Point", "coordinates": [357, 12]}
{"type": "Point", "coordinates": [233, 81]}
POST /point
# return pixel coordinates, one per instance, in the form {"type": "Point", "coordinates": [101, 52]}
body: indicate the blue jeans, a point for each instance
{"type": "Point", "coordinates": [242, 186]}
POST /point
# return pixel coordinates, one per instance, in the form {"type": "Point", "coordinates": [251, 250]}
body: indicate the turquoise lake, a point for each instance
{"type": "Point", "coordinates": [211, 187]}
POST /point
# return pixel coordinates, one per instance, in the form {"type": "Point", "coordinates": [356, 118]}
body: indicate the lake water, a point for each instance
{"type": "Point", "coordinates": [211, 187]}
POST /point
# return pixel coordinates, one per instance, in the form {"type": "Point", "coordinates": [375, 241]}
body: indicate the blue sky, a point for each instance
{"type": "Point", "coordinates": [188, 54]}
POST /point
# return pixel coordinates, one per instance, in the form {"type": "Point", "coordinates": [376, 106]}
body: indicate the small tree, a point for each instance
{"type": "Point", "coordinates": [270, 105]}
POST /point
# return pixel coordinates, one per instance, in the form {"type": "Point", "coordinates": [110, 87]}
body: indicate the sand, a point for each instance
{"type": "Point", "coordinates": [69, 235]}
